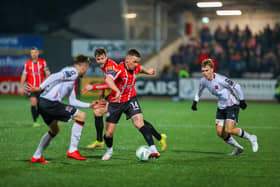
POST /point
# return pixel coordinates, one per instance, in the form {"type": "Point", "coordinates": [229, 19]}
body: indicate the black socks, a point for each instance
{"type": "Point", "coordinates": [99, 125]}
{"type": "Point", "coordinates": [35, 113]}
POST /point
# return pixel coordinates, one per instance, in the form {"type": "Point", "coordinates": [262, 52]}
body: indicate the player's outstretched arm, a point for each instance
{"type": "Point", "coordinates": [110, 82]}
{"type": "Point", "coordinates": [87, 88]}
{"type": "Point", "coordinates": [103, 86]}
{"type": "Point", "coordinates": [149, 71]}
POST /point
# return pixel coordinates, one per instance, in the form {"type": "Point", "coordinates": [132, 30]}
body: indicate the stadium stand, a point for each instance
{"type": "Point", "coordinates": [237, 53]}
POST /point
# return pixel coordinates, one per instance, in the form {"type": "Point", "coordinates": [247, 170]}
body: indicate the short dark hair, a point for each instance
{"type": "Point", "coordinates": [81, 59]}
{"type": "Point", "coordinates": [133, 52]}
{"type": "Point", "coordinates": [34, 48]}
{"type": "Point", "coordinates": [100, 51]}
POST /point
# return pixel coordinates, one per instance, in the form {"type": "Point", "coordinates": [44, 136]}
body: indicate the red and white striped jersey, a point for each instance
{"type": "Point", "coordinates": [35, 71]}
{"type": "Point", "coordinates": [124, 80]}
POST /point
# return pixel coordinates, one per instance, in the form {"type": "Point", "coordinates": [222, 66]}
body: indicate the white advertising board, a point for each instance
{"type": "Point", "coordinates": [254, 89]}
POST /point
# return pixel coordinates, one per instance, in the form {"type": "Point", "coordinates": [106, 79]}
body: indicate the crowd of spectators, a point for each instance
{"type": "Point", "coordinates": [236, 52]}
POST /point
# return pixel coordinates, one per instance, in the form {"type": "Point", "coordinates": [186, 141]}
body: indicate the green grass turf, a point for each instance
{"type": "Point", "coordinates": [195, 156]}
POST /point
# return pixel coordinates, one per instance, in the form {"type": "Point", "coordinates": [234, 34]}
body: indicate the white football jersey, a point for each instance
{"type": "Point", "coordinates": [60, 85]}
{"type": "Point", "coordinates": [227, 91]}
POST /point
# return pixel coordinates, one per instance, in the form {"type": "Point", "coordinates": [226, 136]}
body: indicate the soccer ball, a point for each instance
{"type": "Point", "coordinates": [143, 152]}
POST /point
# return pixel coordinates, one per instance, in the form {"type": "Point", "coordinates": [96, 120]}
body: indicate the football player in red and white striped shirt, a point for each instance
{"type": "Point", "coordinates": [34, 72]}
{"type": "Point", "coordinates": [121, 79]}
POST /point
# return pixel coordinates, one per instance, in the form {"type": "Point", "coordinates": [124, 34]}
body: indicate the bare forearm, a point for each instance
{"type": "Point", "coordinates": [143, 70]}
{"type": "Point", "coordinates": [110, 82]}
{"type": "Point", "coordinates": [146, 71]}
{"type": "Point", "coordinates": [22, 80]}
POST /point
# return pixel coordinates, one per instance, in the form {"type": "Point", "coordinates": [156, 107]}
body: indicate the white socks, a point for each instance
{"type": "Point", "coordinates": [243, 134]}
{"type": "Point", "coordinates": [153, 149]}
{"type": "Point", "coordinates": [45, 140]}
{"type": "Point", "coordinates": [109, 150]}
{"type": "Point", "coordinates": [233, 142]}
{"type": "Point", "coordinates": [75, 137]}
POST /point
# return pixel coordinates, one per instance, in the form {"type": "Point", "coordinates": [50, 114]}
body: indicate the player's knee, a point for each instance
{"type": "Point", "coordinates": [138, 122]}
{"type": "Point", "coordinates": [228, 130]}
{"type": "Point", "coordinates": [82, 117]}
{"type": "Point", "coordinates": [219, 133]}
{"type": "Point", "coordinates": [33, 101]}
{"type": "Point", "coordinates": [109, 134]}
{"type": "Point", "coordinates": [98, 113]}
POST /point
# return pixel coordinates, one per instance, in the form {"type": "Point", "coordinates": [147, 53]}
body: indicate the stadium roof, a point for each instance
{"type": "Point", "coordinates": [244, 5]}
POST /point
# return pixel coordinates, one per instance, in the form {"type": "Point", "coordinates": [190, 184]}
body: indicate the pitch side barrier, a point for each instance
{"type": "Point", "coordinates": [254, 89]}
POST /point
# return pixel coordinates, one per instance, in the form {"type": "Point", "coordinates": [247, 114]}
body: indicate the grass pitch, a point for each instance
{"type": "Point", "coordinates": [195, 156]}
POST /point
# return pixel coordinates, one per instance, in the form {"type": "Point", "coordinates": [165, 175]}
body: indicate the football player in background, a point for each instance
{"type": "Point", "coordinates": [230, 99]}
{"type": "Point", "coordinates": [54, 89]}
{"type": "Point", "coordinates": [35, 71]}
{"type": "Point", "coordinates": [102, 60]}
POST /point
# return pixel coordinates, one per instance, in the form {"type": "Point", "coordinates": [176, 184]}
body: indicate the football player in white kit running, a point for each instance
{"type": "Point", "coordinates": [230, 98]}
{"type": "Point", "coordinates": [54, 89]}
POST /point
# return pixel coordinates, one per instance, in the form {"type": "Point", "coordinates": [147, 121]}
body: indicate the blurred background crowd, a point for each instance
{"type": "Point", "coordinates": [237, 53]}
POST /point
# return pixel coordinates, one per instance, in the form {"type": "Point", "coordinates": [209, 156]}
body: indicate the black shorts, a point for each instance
{"type": "Point", "coordinates": [54, 110]}
{"type": "Point", "coordinates": [34, 94]}
{"type": "Point", "coordinates": [130, 108]}
{"type": "Point", "coordinates": [230, 112]}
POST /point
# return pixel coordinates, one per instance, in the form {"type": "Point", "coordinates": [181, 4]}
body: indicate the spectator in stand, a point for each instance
{"type": "Point", "coordinates": [176, 59]}
{"type": "Point", "coordinates": [205, 34]}
{"type": "Point", "coordinates": [247, 33]}
{"type": "Point", "coordinates": [237, 65]}
{"type": "Point", "coordinates": [252, 62]}
{"type": "Point", "coordinates": [223, 64]}
{"type": "Point", "coordinates": [276, 33]}
{"type": "Point", "coordinates": [269, 61]}
{"type": "Point", "coordinates": [235, 33]}
{"type": "Point", "coordinates": [229, 32]}
{"type": "Point", "coordinates": [236, 50]}
{"type": "Point", "coordinates": [217, 33]}
{"type": "Point", "coordinates": [169, 72]}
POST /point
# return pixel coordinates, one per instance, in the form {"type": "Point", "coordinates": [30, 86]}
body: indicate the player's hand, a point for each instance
{"type": "Point", "coordinates": [243, 104]}
{"type": "Point", "coordinates": [94, 105]}
{"type": "Point", "coordinates": [194, 106]}
{"type": "Point", "coordinates": [98, 104]}
{"type": "Point", "coordinates": [87, 88]}
{"type": "Point", "coordinates": [30, 88]}
{"type": "Point", "coordinates": [151, 71]}
{"type": "Point", "coordinates": [117, 96]}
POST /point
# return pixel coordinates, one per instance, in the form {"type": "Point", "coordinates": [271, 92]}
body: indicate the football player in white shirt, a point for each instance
{"type": "Point", "coordinates": [56, 87]}
{"type": "Point", "coordinates": [230, 99]}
